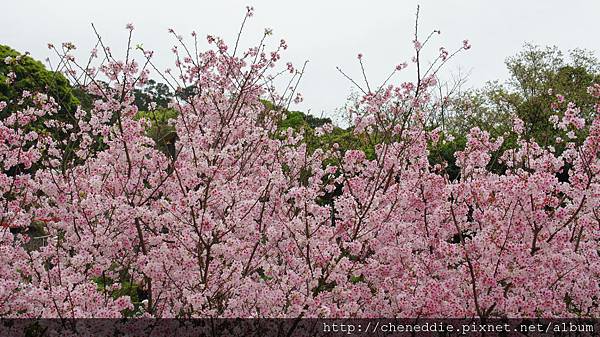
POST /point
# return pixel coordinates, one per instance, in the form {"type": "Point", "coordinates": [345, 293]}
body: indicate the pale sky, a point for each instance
{"type": "Point", "coordinates": [328, 33]}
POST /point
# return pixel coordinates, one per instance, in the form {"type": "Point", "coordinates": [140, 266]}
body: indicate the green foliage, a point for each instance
{"type": "Point", "coordinates": [158, 116]}
{"type": "Point", "coordinates": [105, 284]}
{"type": "Point", "coordinates": [536, 76]}
{"type": "Point", "coordinates": [295, 120]}
{"type": "Point", "coordinates": [315, 122]}
{"type": "Point", "coordinates": [31, 75]}
{"type": "Point", "coordinates": [345, 138]}
{"type": "Point", "coordinates": [86, 101]}
{"type": "Point", "coordinates": [152, 92]}
{"type": "Point", "coordinates": [357, 279]}
{"type": "Point", "coordinates": [160, 130]}
{"type": "Point", "coordinates": [443, 152]}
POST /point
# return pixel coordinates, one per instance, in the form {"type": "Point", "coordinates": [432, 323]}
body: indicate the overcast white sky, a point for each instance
{"type": "Point", "coordinates": [329, 33]}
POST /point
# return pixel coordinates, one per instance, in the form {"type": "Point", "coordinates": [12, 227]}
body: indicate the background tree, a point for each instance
{"type": "Point", "coordinates": [539, 79]}
{"type": "Point", "coordinates": [19, 72]}
{"type": "Point", "coordinates": [536, 76]}
{"type": "Point", "coordinates": [155, 93]}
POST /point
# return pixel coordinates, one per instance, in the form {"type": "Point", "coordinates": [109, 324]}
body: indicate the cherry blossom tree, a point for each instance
{"type": "Point", "coordinates": [243, 220]}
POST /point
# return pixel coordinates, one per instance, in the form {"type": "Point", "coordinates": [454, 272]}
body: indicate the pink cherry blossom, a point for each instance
{"type": "Point", "coordinates": [243, 219]}
{"type": "Point", "coordinates": [466, 45]}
